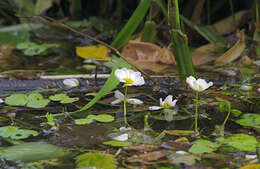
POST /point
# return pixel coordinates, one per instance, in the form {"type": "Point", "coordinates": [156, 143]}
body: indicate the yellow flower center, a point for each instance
{"type": "Point", "coordinates": [166, 106]}
{"type": "Point", "coordinates": [200, 87]}
{"type": "Point", "coordinates": [128, 81]}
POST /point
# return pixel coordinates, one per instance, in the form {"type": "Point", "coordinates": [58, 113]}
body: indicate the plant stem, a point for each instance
{"type": "Point", "coordinates": [225, 121]}
{"type": "Point", "coordinates": [196, 113]}
{"type": "Point", "coordinates": [125, 101]}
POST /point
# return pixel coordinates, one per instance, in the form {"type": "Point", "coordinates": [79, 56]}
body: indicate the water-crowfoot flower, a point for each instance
{"type": "Point", "coordinates": [120, 97]}
{"type": "Point", "coordinates": [71, 82]}
{"type": "Point", "coordinates": [166, 104]}
{"type": "Point", "coordinates": [129, 78]}
{"type": "Point", "coordinates": [198, 85]}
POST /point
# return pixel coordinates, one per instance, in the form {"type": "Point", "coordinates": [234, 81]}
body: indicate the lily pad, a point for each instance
{"type": "Point", "coordinates": [69, 100]}
{"type": "Point", "coordinates": [32, 151]}
{"type": "Point", "coordinates": [203, 146]}
{"type": "Point", "coordinates": [58, 97]}
{"type": "Point", "coordinates": [16, 100]}
{"type": "Point", "coordinates": [104, 118]}
{"type": "Point", "coordinates": [242, 142]}
{"type": "Point", "coordinates": [36, 100]}
{"type": "Point", "coordinates": [115, 143]}
{"type": "Point", "coordinates": [250, 119]}
{"type": "Point", "coordinates": [96, 160]}
{"type": "Point", "coordinates": [14, 132]}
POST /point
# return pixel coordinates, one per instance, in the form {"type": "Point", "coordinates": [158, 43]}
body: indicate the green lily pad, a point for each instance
{"type": "Point", "coordinates": [242, 142]}
{"type": "Point", "coordinates": [58, 97]}
{"type": "Point", "coordinates": [84, 121]}
{"type": "Point", "coordinates": [16, 100]}
{"type": "Point", "coordinates": [36, 101]}
{"type": "Point", "coordinates": [104, 118]}
{"type": "Point", "coordinates": [69, 100]}
{"type": "Point", "coordinates": [32, 151]}
{"type": "Point", "coordinates": [203, 146]}
{"type": "Point", "coordinates": [14, 132]}
{"type": "Point", "coordinates": [249, 119]}
{"type": "Point", "coordinates": [96, 160]}
{"type": "Point", "coordinates": [115, 143]}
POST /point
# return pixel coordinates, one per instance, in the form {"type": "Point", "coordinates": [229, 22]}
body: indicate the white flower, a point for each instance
{"type": "Point", "coordinates": [1, 100]}
{"type": "Point", "coordinates": [71, 82]}
{"type": "Point", "coordinates": [246, 87]}
{"type": "Point", "coordinates": [166, 104]}
{"type": "Point", "coordinates": [258, 89]}
{"type": "Point", "coordinates": [198, 85]}
{"type": "Point", "coordinates": [120, 97]}
{"type": "Point", "coordinates": [122, 137]}
{"type": "Point", "coordinates": [129, 77]}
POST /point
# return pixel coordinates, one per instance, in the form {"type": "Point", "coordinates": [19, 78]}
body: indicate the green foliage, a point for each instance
{"type": "Point", "coordinates": [13, 37]}
{"type": "Point", "coordinates": [33, 100]}
{"type": "Point", "coordinates": [203, 146]}
{"type": "Point", "coordinates": [115, 143]}
{"type": "Point", "coordinates": [63, 98]}
{"type": "Point", "coordinates": [32, 151]}
{"type": "Point", "coordinates": [250, 119]}
{"type": "Point", "coordinates": [97, 160]}
{"type": "Point", "coordinates": [50, 120]}
{"type": "Point", "coordinates": [104, 118]}
{"type": "Point", "coordinates": [15, 133]}
{"type": "Point", "coordinates": [31, 48]}
{"type": "Point", "coordinates": [149, 31]}
{"type": "Point", "coordinates": [242, 142]}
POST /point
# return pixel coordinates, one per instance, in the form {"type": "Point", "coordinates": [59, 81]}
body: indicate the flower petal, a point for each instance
{"type": "Point", "coordinates": [155, 108]}
{"type": "Point", "coordinates": [122, 137]}
{"type": "Point", "coordinates": [119, 95]}
{"type": "Point", "coordinates": [135, 101]}
{"type": "Point", "coordinates": [116, 101]}
{"type": "Point", "coordinates": [71, 82]}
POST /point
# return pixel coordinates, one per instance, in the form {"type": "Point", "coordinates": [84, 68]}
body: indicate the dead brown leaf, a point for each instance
{"type": "Point", "coordinates": [143, 147]}
{"type": "Point", "coordinates": [234, 52]}
{"type": "Point", "coordinates": [204, 54]}
{"type": "Point", "coordinates": [152, 156]}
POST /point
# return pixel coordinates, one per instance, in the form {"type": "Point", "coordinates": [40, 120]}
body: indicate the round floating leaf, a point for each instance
{"type": "Point", "coordinates": [32, 151]}
{"type": "Point", "coordinates": [38, 103]}
{"type": "Point", "coordinates": [84, 121]}
{"type": "Point", "coordinates": [69, 100]}
{"type": "Point", "coordinates": [14, 132]}
{"type": "Point", "coordinates": [35, 96]}
{"type": "Point", "coordinates": [249, 119]}
{"type": "Point", "coordinates": [203, 146]}
{"type": "Point", "coordinates": [118, 143]}
{"type": "Point", "coordinates": [58, 97]}
{"type": "Point", "coordinates": [96, 160]}
{"type": "Point", "coordinates": [242, 142]}
{"type": "Point", "coordinates": [16, 100]}
{"type": "Point", "coordinates": [104, 118]}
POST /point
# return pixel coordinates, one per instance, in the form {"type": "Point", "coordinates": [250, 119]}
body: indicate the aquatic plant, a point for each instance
{"type": "Point", "coordinates": [166, 104]}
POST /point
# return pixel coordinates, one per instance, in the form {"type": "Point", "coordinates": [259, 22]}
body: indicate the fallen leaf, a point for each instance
{"type": "Point", "coordinates": [234, 52]}
{"type": "Point", "coordinates": [143, 147]}
{"type": "Point", "coordinates": [204, 54]}
{"type": "Point", "coordinates": [152, 156]}
{"type": "Point", "coordinates": [98, 52]}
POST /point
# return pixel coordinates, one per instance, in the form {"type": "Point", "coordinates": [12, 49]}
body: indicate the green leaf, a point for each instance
{"type": "Point", "coordinates": [35, 100]}
{"type": "Point", "coordinates": [203, 146]}
{"type": "Point", "coordinates": [242, 142]}
{"type": "Point", "coordinates": [32, 151]}
{"type": "Point", "coordinates": [249, 119]}
{"type": "Point", "coordinates": [84, 121]}
{"type": "Point", "coordinates": [14, 132]}
{"type": "Point", "coordinates": [16, 100]}
{"type": "Point", "coordinates": [58, 97]}
{"type": "Point", "coordinates": [96, 160]}
{"type": "Point", "coordinates": [14, 37]}
{"type": "Point", "coordinates": [41, 6]}
{"type": "Point", "coordinates": [236, 112]}
{"type": "Point", "coordinates": [132, 23]}
{"type": "Point", "coordinates": [69, 100]}
{"type": "Point", "coordinates": [104, 118]}
{"type": "Point", "coordinates": [115, 143]}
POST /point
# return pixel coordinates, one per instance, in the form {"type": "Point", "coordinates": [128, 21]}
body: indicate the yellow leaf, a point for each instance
{"type": "Point", "coordinates": [99, 52]}
{"type": "Point", "coordinates": [251, 166]}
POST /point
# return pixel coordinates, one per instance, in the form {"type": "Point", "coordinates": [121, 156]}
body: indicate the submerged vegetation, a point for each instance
{"type": "Point", "coordinates": [114, 84]}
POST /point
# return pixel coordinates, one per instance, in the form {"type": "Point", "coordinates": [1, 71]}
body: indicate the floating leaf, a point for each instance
{"type": "Point", "coordinates": [96, 160]}
{"type": "Point", "coordinates": [16, 100]}
{"type": "Point", "coordinates": [32, 151]}
{"type": "Point", "coordinates": [83, 121]}
{"type": "Point", "coordinates": [58, 97]}
{"type": "Point", "coordinates": [69, 100]}
{"type": "Point", "coordinates": [118, 143]}
{"type": "Point", "coordinates": [14, 132]}
{"type": "Point", "coordinates": [203, 146]}
{"type": "Point", "coordinates": [152, 156]}
{"type": "Point", "coordinates": [179, 132]}
{"type": "Point", "coordinates": [104, 118]}
{"type": "Point", "coordinates": [242, 142]}
{"type": "Point", "coordinates": [99, 52]}
{"type": "Point", "coordinates": [36, 100]}
{"type": "Point", "coordinates": [249, 119]}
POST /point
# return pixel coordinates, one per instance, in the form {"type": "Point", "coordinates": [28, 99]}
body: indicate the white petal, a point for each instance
{"type": "Point", "coordinates": [119, 95]}
{"type": "Point", "coordinates": [134, 101]}
{"type": "Point", "coordinates": [125, 129]}
{"type": "Point", "coordinates": [174, 102]}
{"type": "Point", "coordinates": [190, 80]}
{"type": "Point", "coordinates": [248, 156]}
{"type": "Point", "coordinates": [246, 87]}
{"type": "Point", "coordinates": [181, 152]}
{"type": "Point", "coordinates": [168, 99]}
{"type": "Point", "coordinates": [116, 101]}
{"type": "Point", "coordinates": [122, 137]}
{"type": "Point", "coordinates": [155, 108]}
{"type": "Point", "coordinates": [258, 89]}
{"type": "Point", "coordinates": [71, 82]}
{"type": "Point", "coordinates": [1, 100]}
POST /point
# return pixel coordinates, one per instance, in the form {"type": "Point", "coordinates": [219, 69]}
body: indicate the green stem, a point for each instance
{"type": "Point", "coordinates": [196, 113]}
{"type": "Point", "coordinates": [125, 101]}
{"type": "Point", "coordinates": [225, 121]}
